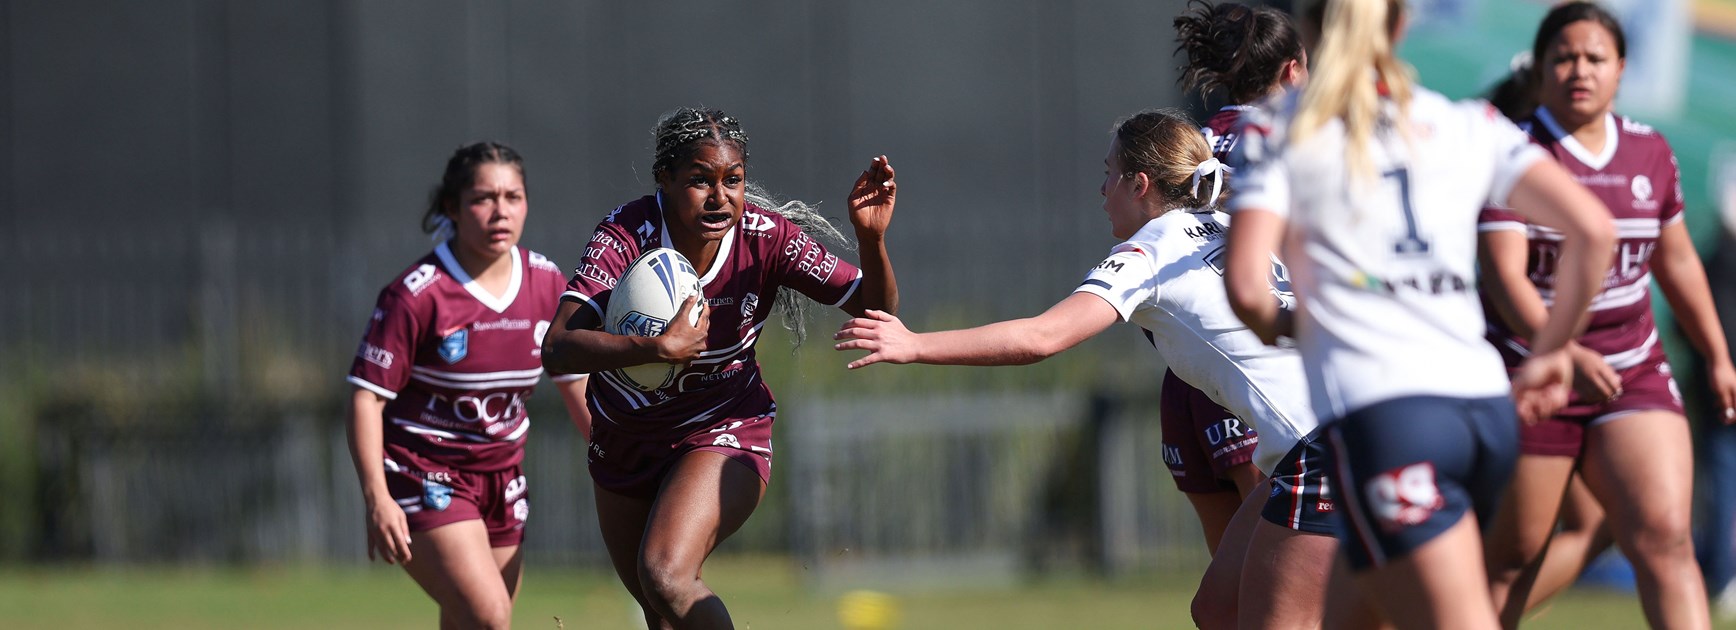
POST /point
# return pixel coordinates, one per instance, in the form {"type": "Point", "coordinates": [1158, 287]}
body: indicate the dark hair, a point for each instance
{"type": "Point", "coordinates": [1563, 15]}
{"type": "Point", "coordinates": [1233, 47]}
{"type": "Point", "coordinates": [1167, 146]}
{"type": "Point", "coordinates": [678, 134]}
{"type": "Point", "coordinates": [461, 174]}
{"type": "Point", "coordinates": [1515, 95]}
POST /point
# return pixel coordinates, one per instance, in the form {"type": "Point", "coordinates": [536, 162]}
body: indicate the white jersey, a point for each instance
{"type": "Point", "coordinates": [1168, 279]}
{"type": "Point", "coordinates": [1384, 268]}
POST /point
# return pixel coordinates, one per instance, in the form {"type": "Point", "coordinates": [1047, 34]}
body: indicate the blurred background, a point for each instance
{"type": "Point", "coordinates": [199, 200]}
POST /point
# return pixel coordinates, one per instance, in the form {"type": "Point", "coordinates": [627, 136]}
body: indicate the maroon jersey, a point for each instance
{"type": "Point", "coordinates": [455, 362]}
{"type": "Point", "coordinates": [1637, 178]}
{"type": "Point", "coordinates": [762, 253]}
{"type": "Point", "coordinates": [1223, 131]}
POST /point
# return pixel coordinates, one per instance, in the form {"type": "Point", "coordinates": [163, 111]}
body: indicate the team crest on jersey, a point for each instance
{"type": "Point", "coordinates": [436, 496]}
{"type": "Point", "coordinates": [456, 346]}
{"type": "Point", "coordinates": [1642, 188]}
{"type": "Point", "coordinates": [638, 324]}
{"type": "Point", "coordinates": [1404, 497]}
{"type": "Point", "coordinates": [749, 304]}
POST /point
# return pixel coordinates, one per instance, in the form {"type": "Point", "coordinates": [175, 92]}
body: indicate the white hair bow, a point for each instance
{"type": "Point", "coordinates": [1211, 167]}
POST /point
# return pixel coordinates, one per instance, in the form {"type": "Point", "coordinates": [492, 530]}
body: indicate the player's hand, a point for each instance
{"type": "Point", "coordinates": [682, 341]}
{"type": "Point", "coordinates": [1722, 378]}
{"type": "Point", "coordinates": [881, 334]}
{"type": "Point", "coordinates": [388, 530]}
{"type": "Point", "coordinates": [1540, 385]}
{"type": "Point", "coordinates": [872, 198]}
{"type": "Point", "coordinates": [1593, 379]}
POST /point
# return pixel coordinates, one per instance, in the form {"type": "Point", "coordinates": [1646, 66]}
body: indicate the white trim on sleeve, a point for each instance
{"type": "Point", "coordinates": [383, 392]}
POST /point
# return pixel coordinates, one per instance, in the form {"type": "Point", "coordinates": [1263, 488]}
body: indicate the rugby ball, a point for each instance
{"type": "Point", "coordinates": [643, 303]}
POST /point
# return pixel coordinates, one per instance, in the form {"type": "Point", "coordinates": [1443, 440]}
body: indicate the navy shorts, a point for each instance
{"type": "Point", "coordinates": [1202, 441]}
{"type": "Point", "coordinates": [1301, 497]}
{"type": "Point", "coordinates": [1408, 469]}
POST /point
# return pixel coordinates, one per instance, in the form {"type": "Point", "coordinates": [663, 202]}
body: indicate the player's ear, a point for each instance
{"type": "Point", "coordinates": [1141, 185]}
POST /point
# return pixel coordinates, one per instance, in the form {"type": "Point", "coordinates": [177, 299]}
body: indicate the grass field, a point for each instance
{"type": "Point", "coordinates": [763, 594]}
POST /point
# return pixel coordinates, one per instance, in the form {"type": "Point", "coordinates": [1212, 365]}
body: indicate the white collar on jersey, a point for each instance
{"type": "Point", "coordinates": [722, 249]}
{"type": "Point", "coordinates": [498, 304]}
{"type": "Point", "coordinates": [1610, 133]}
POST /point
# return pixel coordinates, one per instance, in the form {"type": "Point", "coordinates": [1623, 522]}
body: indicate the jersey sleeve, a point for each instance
{"type": "Point", "coordinates": [607, 256]}
{"type": "Point", "coordinates": [383, 360]}
{"type": "Point", "coordinates": [1511, 149]}
{"type": "Point", "coordinates": [804, 265]}
{"type": "Point", "coordinates": [1674, 203]}
{"type": "Point", "coordinates": [542, 327]}
{"type": "Point", "coordinates": [1261, 180]}
{"type": "Point", "coordinates": [1126, 279]}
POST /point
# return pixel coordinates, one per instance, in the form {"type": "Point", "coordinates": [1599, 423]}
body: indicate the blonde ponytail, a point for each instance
{"type": "Point", "coordinates": [1356, 37]}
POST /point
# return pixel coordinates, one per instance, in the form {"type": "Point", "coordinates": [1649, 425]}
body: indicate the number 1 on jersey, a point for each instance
{"type": "Point", "coordinates": [1412, 243]}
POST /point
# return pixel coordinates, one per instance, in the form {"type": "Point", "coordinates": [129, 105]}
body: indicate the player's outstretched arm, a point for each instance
{"type": "Point", "coordinates": [1254, 236]}
{"type": "Point", "coordinates": [574, 343]}
{"type": "Point", "coordinates": [871, 202]}
{"type": "Point", "coordinates": [1014, 342]}
{"type": "Point", "coordinates": [1682, 278]}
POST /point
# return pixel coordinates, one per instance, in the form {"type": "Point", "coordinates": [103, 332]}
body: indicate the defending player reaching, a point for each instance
{"type": "Point", "coordinates": [1373, 186]}
{"type": "Point", "coordinates": [1631, 439]}
{"type": "Point", "coordinates": [437, 420]}
{"type": "Point", "coordinates": [1160, 191]}
{"type": "Point", "coordinates": [679, 469]}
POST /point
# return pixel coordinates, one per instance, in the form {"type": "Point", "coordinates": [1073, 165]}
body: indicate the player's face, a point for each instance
{"type": "Point", "coordinates": [703, 195]}
{"type": "Point", "coordinates": [1581, 72]}
{"type": "Point", "coordinates": [1126, 213]}
{"type": "Point", "coordinates": [489, 217]}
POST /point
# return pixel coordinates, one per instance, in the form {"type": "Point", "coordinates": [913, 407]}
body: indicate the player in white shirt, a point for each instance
{"type": "Point", "coordinates": [1160, 190]}
{"type": "Point", "coordinates": [1373, 186]}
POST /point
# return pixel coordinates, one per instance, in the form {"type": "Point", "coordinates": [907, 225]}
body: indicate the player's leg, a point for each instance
{"type": "Point", "coordinates": [1215, 603]}
{"type": "Point", "coordinates": [704, 499]}
{"type": "Point", "coordinates": [622, 519]}
{"type": "Point", "coordinates": [1582, 537]}
{"type": "Point", "coordinates": [454, 564]}
{"type": "Point", "coordinates": [1284, 578]}
{"type": "Point", "coordinates": [1215, 510]}
{"type": "Point", "coordinates": [1640, 466]}
{"type": "Point", "coordinates": [1347, 607]}
{"type": "Point", "coordinates": [1520, 533]}
{"type": "Point", "coordinates": [1437, 585]}
{"type": "Point", "coordinates": [510, 561]}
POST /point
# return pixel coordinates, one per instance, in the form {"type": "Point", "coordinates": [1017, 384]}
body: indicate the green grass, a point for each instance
{"type": "Point", "coordinates": [763, 594]}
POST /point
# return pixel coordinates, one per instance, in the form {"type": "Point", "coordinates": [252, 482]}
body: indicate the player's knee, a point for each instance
{"type": "Point", "coordinates": [1663, 536]}
{"type": "Point", "coordinates": [489, 614]}
{"type": "Point", "coordinates": [666, 585]}
{"type": "Point", "coordinates": [1212, 610]}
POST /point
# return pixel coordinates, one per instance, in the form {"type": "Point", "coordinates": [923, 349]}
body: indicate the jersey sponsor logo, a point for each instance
{"type": "Point", "coordinates": [379, 314]}
{"type": "Point", "coordinates": [515, 488]}
{"type": "Point", "coordinates": [1204, 231]}
{"type": "Point", "coordinates": [602, 240]}
{"type": "Point", "coordinates": [756, 222]}
{"type": "Point", "coordinates": [1110, 265]}
{"type": "Point", "coordinates": [421, 278]}
{"type": "Point", "coordinates": [595, 453]}
{"type": "Point", "coordinates": [521, 510]}
{"type": "Point", "coordinates": [502, 324]}
{"type": "Point", "coordinates": [645, 231]}
{"type": "Point", "coordinates": [376, 355]}
{"type": "Point", "coordinates": [436, 496]}
{"type": "Point", "coordinates": [538, 260]}
{"type": "Point", "coordinates": [542, 330]}
{"type": "Point", "coordinates": [1227, 428]}
{"type": "Point", "coordinates": [1404, 497]}
{"type": "Point", "coordinates": [726, 440]}
{"type": "Point", "coordinates": [1436, 283]}
{"type": "Point", "coordinates": [613, 213]}
{"type": "Point", "coordinates": [749, 304]}
{"type": "Point", "coordinates": [1172, 456]}
{"type": "Point", "coordinates": [456, 346]}
{"type": "Point", "coordinates": [596, 274]}
{"type": "Point", "coordinates": [1323, 505]}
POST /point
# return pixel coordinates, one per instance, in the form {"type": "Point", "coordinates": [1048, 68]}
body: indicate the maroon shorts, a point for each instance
{"type": "Point", "coordinates": [634, 465]}
{"type": "Point", "coordinates": [1201, 440]}
{"type": "Point", "coordinates": [1644, 387]}
{"type": "Point", "coordinates": [433, 494]}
